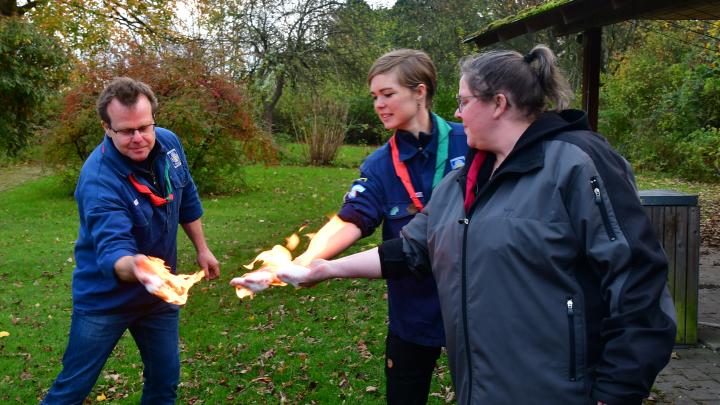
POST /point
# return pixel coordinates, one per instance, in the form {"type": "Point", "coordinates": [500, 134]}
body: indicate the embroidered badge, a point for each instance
{"type": "Point", "coordinates": [174, 158]}
{"type": "Point", "coordinates": [394, 211]}
{"type": "Point", "coordinates": [355, 190]}
{"type": "Point", "coordinates": [457, 162]}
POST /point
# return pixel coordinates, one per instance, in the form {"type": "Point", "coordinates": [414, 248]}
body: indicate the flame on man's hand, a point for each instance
{"type": "Point", "coordinates": [172, 288]}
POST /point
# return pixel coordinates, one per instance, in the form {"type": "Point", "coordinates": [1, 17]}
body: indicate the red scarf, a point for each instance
{"type": "Point", "coordinates": [155, 199]}
{"type": "Point", "coordinates": [472, 177]}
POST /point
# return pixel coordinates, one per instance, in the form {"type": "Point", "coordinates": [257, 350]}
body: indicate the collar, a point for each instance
{"type": "Point", "coordinates": [528, 153]}
{"type": "Point", "coordinates": [409, 146]}
{"type": "Point", "coordinates": [121, 163]}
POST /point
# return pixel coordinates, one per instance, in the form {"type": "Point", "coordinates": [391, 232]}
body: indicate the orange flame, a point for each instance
{"type": "Point", "coordinates": [172, 288]}
{"type": "Point", "coordinates": [274, 259]}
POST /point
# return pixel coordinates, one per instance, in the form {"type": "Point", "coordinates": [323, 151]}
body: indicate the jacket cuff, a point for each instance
{"type": "Point", "coordinates": [392, 259]}
{"type": "Point", "coordinates": [349, 214]}
{"type": "Point", "coordinates": [107, 263]}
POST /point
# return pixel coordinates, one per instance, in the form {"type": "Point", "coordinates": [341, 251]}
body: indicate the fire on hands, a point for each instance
{"type": "Point", "coordinates": [273, 260]}
{"type": "Point", "coordinates": [159, 281]}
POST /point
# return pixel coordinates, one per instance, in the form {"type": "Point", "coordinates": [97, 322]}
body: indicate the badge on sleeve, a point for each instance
{"type": "Point", "coordinates": [174, 158]}
{"type": "Point", "coordinates": [355, 190]}
{"type": "Point", "coordinates": [457, 162]}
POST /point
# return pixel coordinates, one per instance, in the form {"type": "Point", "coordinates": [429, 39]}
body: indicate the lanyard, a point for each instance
{"type": "Point", "coordinates": [441, 158]}
{"type": "Point", "coordinates": [155, 199]}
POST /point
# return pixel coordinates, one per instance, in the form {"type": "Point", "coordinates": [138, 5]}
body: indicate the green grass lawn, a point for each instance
{"type": "Point", "coordinates": [319, 345]}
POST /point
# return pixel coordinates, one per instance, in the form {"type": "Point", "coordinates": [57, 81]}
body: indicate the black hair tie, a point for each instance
{"type": "Point", "coordinates": [529, 57]}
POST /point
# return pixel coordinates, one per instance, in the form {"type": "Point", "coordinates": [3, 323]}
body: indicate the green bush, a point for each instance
{"type": "Point", "coordinates": [32, 65]}
{"type": "Point", "coordinates": [700, 153]}
{"type": "Point", "coordinates": [210, 115]}
{"type": "Point", "coordinates": [660, 105]}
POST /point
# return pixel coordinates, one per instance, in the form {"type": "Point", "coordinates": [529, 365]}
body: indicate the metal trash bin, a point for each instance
{"type": "Point", "coordinates": [676, 218]}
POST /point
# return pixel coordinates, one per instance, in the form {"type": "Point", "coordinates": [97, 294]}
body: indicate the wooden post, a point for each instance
{"type": "Point", "coordinates": [592, 54]}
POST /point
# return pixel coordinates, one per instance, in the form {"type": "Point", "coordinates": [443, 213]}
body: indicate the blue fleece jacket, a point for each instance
{"type": "Point", "coordinates": [116, 220]}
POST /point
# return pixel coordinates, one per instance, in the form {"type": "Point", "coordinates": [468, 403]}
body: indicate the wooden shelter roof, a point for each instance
{"type": "Point", "coordinates": [572, 16]}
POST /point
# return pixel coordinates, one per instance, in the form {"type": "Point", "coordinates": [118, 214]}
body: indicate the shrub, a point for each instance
{"type": "Point", "coordinates": [321, 123]}
{"type": "Point", "coordinates": [700, 153]}
{"type": "Point", "coordinates": [660, 105]}
{"type": "Point", "coordinates": [210, 114]}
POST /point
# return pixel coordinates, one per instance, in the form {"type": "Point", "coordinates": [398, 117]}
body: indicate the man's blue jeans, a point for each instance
{"type": "Point", "coordinates": [92, 339]}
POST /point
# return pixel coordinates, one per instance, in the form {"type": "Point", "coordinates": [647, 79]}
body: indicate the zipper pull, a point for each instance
{"type": "Point", "coordinates": [596, 190]}
{"type": "Point", "coordinates": [570, 309]}
{"type": "Point", "coordinates": [463, 221]}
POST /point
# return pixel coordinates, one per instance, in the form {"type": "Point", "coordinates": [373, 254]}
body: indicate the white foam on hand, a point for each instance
{"type": "Point", "coordinates": [256, 281]}
{"type": "Point", "coordinates": [152, 283]}
{"type": "Point", "coordinates": [293, 274]}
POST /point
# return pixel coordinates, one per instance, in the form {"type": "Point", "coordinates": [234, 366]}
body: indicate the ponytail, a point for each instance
{"type": "Point", "coordinates": [532, 83]}
{"type": "Point", "coordinates": [554, 84]}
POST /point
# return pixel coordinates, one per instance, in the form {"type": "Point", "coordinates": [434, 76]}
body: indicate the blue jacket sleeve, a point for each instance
{"type": "Point", "coordinates": [363, 203]}
{"type": "Point", "coordinates": [110, 225]}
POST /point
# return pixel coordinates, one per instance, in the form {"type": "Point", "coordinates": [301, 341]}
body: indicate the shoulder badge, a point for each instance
{"type": "Point", "coordinates": [174, 158]}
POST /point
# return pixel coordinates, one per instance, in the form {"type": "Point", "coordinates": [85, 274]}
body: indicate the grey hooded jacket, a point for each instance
{"type": "Point", "coordinates": [553, 286]}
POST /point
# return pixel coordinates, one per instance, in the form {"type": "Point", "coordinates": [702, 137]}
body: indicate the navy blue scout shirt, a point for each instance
{"type": "Point", "coordinates": [116, 220]}
{"type": "Point", "coordinates": [379, 196]}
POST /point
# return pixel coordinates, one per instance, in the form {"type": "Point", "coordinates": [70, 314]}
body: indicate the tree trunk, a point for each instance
{"type": "Point", "coordinates": [269, 106]}
{"type": "Point", "coordinates": [8, 8]}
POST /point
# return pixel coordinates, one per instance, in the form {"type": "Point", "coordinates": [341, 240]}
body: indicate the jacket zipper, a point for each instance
{"type": "Point", "coordinates": [465, 222]}
{"type": "Point", "coordinates": [601, 205]}
{"type": "Point", "coordinates": [571, 329]}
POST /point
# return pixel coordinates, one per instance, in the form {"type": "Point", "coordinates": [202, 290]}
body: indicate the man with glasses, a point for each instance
{"type": "Point", "coordinates": [133, 192]}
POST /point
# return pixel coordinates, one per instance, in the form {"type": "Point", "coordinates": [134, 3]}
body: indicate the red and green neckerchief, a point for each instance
{"type": "Point", "coordinates": [155, 199]}
{"type": "Point", "coordinates": [441, 158]}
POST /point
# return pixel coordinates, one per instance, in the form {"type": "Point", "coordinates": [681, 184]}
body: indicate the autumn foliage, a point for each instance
{"type": "Point", "coordinates": [210, 114]}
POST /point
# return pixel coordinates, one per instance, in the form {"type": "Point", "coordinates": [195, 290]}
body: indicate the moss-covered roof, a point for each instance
{"type": "Point", "coordinates": [527, 13]}
{"type": "Point", "coordinates": [569, 16]}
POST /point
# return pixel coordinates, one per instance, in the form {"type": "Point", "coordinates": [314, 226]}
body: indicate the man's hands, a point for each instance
{"type": "Point", "coordinates": [127, 268]}
{"type": "Point", "coordinates": [207, 261]}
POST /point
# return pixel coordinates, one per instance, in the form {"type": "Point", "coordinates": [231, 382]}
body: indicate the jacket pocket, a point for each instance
{"type": "Point", "coordinates": [572, 370]}
{"type": "Point", "coordinates": [600, 202]}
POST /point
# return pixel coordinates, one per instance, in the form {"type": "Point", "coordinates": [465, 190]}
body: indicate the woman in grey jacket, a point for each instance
{"type": "Point", "coordinates": [551, 279]}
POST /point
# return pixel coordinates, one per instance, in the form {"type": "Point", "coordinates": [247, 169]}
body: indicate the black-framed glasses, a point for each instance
{"type": "Point", "coordinates": [130, 132]}
{"type": "Point", "coordinates": [462, 101]}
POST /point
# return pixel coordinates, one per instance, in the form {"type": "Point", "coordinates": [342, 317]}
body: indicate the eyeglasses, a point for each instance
{"type": "Point", "coordinates": [130, 132]}
{"type": "Point", "coordinates": [462, 101]}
